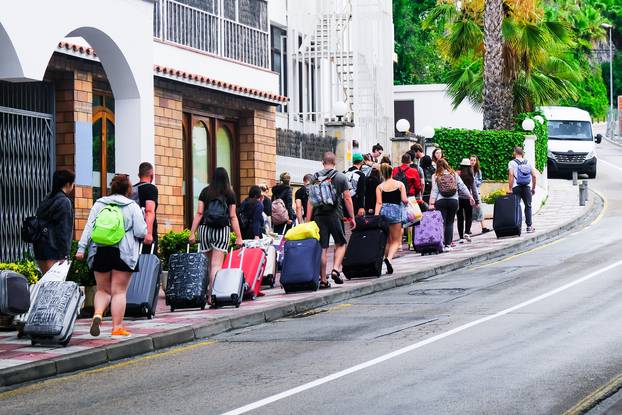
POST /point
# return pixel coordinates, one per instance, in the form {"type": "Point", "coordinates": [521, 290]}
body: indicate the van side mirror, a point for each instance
{"type": "Point", "coordinates": [598, 138]}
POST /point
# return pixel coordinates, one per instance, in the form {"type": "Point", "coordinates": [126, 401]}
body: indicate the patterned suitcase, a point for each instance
{"type": "Point", "coordinates": [58, 272]}
{"type": "Point", "coordinates": [54, 313]}
{"type": "Point", "coordinates": [188, 277]}
{"type": "Point", "coordinates": [252, 262]}
{"type": "Point", "coordinates": [144, 289]}
{"type": "Point", "coordinates": [429, 233]}
{"type": "Point", "coordinates": [14, 293]}
{"type": "Point", "coordinates": [301, 265]}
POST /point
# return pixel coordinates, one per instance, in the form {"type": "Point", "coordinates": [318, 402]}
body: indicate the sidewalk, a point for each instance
{"type": "Point", "coordinates": [19, 362]}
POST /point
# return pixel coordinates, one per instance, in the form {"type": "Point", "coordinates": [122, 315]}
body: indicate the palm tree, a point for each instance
{"type": "Point", "coordinates": [496, 97]}
{"type": "Point", "coordinates": [506, 58]}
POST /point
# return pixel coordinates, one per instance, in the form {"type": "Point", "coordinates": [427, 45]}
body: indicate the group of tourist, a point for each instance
{"type": "Point", "coordinates": [371, 186]}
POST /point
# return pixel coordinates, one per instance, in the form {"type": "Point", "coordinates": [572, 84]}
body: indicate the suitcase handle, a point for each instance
{"type": "Point", "coordinates": [241, 259]}
{"type": "Point", "coordinates": [140, 248]}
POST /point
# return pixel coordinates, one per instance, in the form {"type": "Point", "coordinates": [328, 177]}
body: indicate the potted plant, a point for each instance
{"type": "Point", "coordinates": [488, 201]}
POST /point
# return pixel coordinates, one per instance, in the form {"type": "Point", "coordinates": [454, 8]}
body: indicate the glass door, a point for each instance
{"type": "Point", "coordinates": [103, 144]}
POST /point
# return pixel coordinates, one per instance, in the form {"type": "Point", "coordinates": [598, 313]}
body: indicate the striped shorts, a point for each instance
{"type": "Point", "coordinates": [214, 238]}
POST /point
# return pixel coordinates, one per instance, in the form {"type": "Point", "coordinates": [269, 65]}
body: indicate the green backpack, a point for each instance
{"type": "Point", "coordinates": [109, 227]}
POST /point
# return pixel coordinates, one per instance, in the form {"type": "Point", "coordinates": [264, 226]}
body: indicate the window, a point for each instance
{"type": "Point", "coordinates": [103, 144]}
{"type": "Point", "coordinates": [200, 160]}
{"type": "Point", "coordinates": [224, 150]}
{"type": "Point", "coordinates": [205, 150]}
{"type": "Point", "coordinates": [279, 56]}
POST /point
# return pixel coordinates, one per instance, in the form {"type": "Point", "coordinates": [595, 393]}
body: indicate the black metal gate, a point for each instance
{"type": "Point", "coordinates": [27, 158]}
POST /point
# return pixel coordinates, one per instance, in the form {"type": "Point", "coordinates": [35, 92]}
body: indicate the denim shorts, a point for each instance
{"type": "Point", "coordinates": [392, 213]}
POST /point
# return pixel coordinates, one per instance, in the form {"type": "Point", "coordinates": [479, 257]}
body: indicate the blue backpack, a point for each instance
{"type": "Point", "coordinates": [522, 173]}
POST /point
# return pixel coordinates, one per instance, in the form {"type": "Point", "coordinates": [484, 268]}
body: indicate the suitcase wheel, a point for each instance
{"type": "Point", "coordinates": [237, 305]}
{"type": "Point", "coordinates": [66, 342]}
{"type": "Point", "coordinates": [203, 307]}
{"type": "Point", "coordinates": [172, 309]}
{"type": "Point", "coordinates": [33, 343]}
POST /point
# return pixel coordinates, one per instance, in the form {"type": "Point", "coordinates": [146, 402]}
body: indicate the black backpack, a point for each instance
{"type": "Point", "coordinates": [400, 176]}
{"type": "Point", "coordinates": [216, 213]}
{"type": "Point", "coordinates": [244, 216]}
{"type": "Point", "coordinates": [33, 229]}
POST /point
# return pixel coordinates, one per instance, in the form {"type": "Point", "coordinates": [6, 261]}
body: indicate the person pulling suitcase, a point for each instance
{"type": "Point", "coordinates": [112, 233]}
{"type": "Point", "coordinates": [522, 182]}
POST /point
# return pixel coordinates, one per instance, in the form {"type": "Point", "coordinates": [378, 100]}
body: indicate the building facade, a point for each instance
{"type": "Point", "coordinates": [189, 85]}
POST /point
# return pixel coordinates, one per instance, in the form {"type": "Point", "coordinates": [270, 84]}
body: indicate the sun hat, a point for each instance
{"type": "Point", "coordinates": [357, 158]}
{"type": "Point", "coordinates": [465, 162]}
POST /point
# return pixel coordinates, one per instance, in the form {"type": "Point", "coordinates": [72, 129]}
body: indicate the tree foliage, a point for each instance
{"type": "Point", "coordinates": [419, 60]}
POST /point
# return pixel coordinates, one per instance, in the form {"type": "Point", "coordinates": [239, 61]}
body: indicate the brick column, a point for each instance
{"type": "Point", "coordinates": [74, 103]}
{"type": "Point", "coordinates": [257, 149]}
{"type": "Point", "coordinates": [169, 160]}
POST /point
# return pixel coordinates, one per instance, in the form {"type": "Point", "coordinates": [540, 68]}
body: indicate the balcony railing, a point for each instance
{"type": "Point", "coordinates": [191, 27]}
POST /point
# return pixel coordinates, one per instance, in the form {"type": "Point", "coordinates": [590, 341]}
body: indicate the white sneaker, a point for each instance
{"type": "Point", "coordinates": [448, 249]}
{"type": "Point", "coordinates": [530, 229]}
{"type": "Point", "coordinates": [467, 237]}
{"type": "Point", "coordinates": [460, 241]}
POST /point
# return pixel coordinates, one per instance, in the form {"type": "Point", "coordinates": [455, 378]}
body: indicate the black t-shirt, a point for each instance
{"type": "Point", "coordinates": [146, 192]}
{"type": "Point", "coordinates": [303, 195]}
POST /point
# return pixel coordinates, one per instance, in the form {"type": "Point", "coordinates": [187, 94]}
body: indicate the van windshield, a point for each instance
{"type": "Point", "coordinates": [570, 130]}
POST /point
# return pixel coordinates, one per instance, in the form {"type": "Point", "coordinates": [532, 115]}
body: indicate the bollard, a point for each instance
{"type": "Point", "coordinates": [575, 178]}
{"type": "Point", "coordinates": [582, 191]}
{"type": "Point", "coordinates": [587, 193]}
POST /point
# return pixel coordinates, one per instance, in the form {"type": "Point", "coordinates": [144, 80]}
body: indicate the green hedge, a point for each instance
{"type": "Point", "coordinates": [26, 267]}
{"type": "Point", "coordinates": [542, 137]}
{"type": "Point", "coordinates": [494, 148]}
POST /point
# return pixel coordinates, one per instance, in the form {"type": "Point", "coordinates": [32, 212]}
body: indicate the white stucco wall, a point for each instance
{"type": "Point", "coordinates": [120, 33]}
{"type": "Point", "coordinates": [433, 107]}
{"type": "Point", "coordinates": [215, 68]}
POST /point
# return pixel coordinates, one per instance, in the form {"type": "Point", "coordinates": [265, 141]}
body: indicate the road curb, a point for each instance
{"type": "Point", "coordinates": [134, 347]}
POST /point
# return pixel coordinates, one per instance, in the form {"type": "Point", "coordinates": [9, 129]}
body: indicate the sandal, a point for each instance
{"type": "Point", "coordinates": [336, 276]}
{"type": "Point", "coordinates": [324, 285]}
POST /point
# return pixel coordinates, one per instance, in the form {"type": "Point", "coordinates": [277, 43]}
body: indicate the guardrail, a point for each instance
{"type": "Point", "coordinates": [198, 29]}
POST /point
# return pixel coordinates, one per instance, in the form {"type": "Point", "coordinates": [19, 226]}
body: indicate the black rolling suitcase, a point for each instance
{"type": "Point", "coordinates": [14, 293]}
{"type": "Point", "coordinates": [187, 281]}
{"type": "Point", "coordinates": [508, 217]}
{"type": "Point", "coordinates": [144, 289]}
{"type": "Point", "coordinates": [365, 251]}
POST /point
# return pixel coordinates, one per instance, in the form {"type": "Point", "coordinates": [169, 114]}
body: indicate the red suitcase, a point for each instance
{"type": "Point", "coordinates": [253, 267]}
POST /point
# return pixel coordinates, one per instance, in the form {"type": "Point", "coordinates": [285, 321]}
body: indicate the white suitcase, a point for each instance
{"type": "Point", "coordinates": [229, 286]}
{"type": "Point", "coordinates": [54, 313]}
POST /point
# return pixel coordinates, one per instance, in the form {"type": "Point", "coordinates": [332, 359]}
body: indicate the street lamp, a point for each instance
{"type": "Point", "coordinates": [428, 132]}
{"type": "Point", "coordinates": [402, 126]}
{"type": "Point", "coordinates": [539, 118]}
{"type": "Point", "coordinates": [341, 109]}
{"type": "Point", "coordinates": [528, 125]}
{"type": "Point", "coordinates": [609, 27]}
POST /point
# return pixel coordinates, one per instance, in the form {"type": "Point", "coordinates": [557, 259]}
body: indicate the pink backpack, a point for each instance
{"type": "Point", "coordinates": [280, 215]}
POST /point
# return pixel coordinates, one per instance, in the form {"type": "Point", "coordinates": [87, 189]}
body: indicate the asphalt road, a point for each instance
{"type": "Point", "coordinates": [531, 334]}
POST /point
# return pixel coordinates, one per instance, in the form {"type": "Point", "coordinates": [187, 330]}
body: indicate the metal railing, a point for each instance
{"type": "Point", "coordinates": [189, 26]}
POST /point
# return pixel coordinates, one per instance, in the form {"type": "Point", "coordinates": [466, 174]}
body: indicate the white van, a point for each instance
{"type": "Point", "coordinates": [571, 141]}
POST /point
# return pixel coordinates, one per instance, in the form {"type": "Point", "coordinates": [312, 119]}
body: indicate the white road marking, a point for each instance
{"type": "Point", "coordinates": [415, 346]}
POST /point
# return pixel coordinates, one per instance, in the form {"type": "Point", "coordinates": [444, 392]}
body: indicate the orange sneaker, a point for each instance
{"type": "Point", "coordinates": [120, 332]}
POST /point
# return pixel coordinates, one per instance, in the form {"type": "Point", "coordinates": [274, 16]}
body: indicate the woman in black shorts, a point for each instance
{"type": "Point", "coordinates": [215, 239]}
{"type": "Point", "coordinates": [113, 265]}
